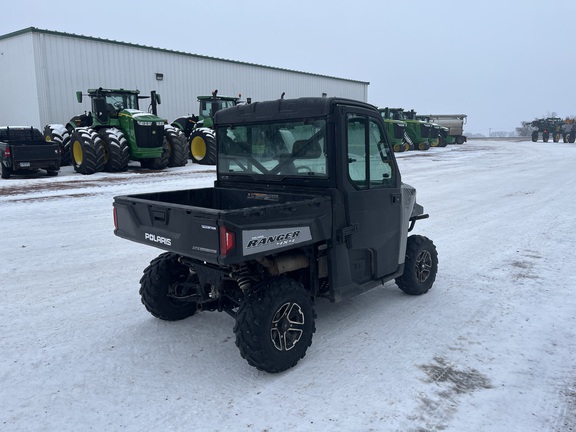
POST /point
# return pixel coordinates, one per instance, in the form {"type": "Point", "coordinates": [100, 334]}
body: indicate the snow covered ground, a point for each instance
{"type": "Point", "coordinates": [490, 348]}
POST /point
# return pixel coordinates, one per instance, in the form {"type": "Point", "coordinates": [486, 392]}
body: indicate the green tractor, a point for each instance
{"type": "Point", "coordinates": [547, 126]}
{"type": "Point", "coordinates": [117, 131]}
{"type": "Point", "coordinates": [569, 130]}
{"type": "Point", "coordinates": [199, 130]}
{"type": "Point", "coordinates": [417, 131]}
{"type": "Point", "coordinates": [438, 133]}
{"type": "Point", "coordinates": [396, 130]}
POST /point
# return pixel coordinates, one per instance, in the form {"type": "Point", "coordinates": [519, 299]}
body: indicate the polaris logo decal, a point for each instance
{"type": "Point", "coordinates": [157, 239]}
{"type": "Point", "coordinates": [256, 241]}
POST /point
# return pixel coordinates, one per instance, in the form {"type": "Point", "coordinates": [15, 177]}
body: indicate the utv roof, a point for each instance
{"type": "Point", "coordinates": [285, 109]}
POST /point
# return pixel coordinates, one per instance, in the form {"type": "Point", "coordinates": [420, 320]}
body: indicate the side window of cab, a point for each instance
{"type": "Point", "coordinates": [369, 160]}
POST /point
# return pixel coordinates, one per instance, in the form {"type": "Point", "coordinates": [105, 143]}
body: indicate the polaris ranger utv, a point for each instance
{"type": "Point", "coordinates": [308, 203]}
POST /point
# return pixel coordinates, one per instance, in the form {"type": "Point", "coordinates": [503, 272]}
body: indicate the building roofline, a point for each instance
{"type": "Point", "coordinates": [165, 50]}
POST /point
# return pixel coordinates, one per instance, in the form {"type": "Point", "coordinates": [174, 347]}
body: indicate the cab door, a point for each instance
{"type": "Point", "coordinates": [371, 187]}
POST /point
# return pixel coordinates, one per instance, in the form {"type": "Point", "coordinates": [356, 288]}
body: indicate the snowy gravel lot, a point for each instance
{"type": "Point", "coordinates": [490, 348]}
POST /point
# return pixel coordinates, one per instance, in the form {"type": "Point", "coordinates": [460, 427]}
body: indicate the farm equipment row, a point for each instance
{"type": "Point", "coordinates": [409, 131]}
{"type": "Point", "coordinates": [554, 127]}
{"type": "Point", "coordinates": [116, 131]}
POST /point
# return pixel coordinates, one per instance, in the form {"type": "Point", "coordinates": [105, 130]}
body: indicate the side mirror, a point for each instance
{"type": "Point", "coordinates": [79, 96]}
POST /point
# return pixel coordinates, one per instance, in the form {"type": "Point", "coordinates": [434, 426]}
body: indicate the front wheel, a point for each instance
{"type": "Point", "coordinates": [177, 146]}
{"type": "Point", "coordinates": [116, 149]}
{"type": "Point", "coordinates": [167, 288]}
{"type": "Point", "coordinates": [534, 136]}
{"type": "Point", "coordinates": [275, 324]}
{"type": "Point", "coordinates": [420, 266]}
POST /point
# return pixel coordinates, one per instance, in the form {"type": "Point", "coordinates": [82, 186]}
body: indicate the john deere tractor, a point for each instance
{"type": "Point", "coordinates": [117, 131]}
{"type": "Point", "coordinates": [547, 126]}
{"type": "Point", "coordinates": [438, 133]}
{"type": "Point", "coordinates": [396, 130]}
{"type": "Point", "coordinates": [417, 131]}
{"type": "Point", "coordinates": [199, 130]}
{"type": "Point", "coordinates": [569, 130]}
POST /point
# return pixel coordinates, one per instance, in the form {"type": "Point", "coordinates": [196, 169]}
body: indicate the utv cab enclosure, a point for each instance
{"type": "Point", "coordinates": [308, 203]}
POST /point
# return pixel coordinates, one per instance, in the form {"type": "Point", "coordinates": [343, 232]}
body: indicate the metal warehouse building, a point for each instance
{"type": "Point", "coordinates": [40, 71]}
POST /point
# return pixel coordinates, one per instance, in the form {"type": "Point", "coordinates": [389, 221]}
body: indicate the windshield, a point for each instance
{"type": "Point", "coordinates": [122, 101]}
{"type": "Point", "coordinates": [209, 107]}
{"type": "Point", "coordinates": [284, 149]}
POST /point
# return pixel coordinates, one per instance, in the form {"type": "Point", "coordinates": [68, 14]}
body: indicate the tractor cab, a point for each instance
{"type": "Point", "coordinates": [210, 105]}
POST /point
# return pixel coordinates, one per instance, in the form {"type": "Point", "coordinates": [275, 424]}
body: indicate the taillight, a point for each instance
{"type": "Point", "coordinates": [227, 241]}
{"type": "Point", "coordinates": [7, 152]}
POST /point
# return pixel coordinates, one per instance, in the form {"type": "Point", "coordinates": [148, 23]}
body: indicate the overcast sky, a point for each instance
{"type": "Point", "coordinates": [500, 62]}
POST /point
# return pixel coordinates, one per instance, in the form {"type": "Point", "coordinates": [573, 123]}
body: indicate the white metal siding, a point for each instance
{"type": "Point", "coordinates": [67, 63]}
{"type": "Point", "coordinates": [19, 97]}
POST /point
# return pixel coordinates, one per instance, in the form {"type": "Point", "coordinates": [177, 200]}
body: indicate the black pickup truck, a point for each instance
{"type": "Point", "coordinates": [308, 203]}
{"type": "Point", "coordinates": [24, 151]}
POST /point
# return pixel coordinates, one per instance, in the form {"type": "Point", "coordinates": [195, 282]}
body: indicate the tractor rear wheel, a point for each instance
{"type": "Point", "coordinates": [58, 134]}
{"type": "Point", "coordinates": [116, 150]}
{"type": "Point", "coordinates": [420, 266]}
{"type": "Point", "coordinates": [203, 146]}
{"type": "Point", "coordinates": [177, 146]}
{"type": "Point", "coordinates": [275, 325]}
{"type": "Point", "coordinates": [86, 151]}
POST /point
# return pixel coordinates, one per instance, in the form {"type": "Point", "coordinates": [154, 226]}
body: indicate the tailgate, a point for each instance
{"type": "Point", "coordinates": [35, 153]}
{"type": "Point", "coordinates": [182, 229]}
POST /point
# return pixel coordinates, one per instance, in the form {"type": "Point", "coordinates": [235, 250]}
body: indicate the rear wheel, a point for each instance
{"type": "Point", "coordinates": [571, 137]}
{"type": "Point", "coordinates": [116, 150]}
{"type": "Point", "coordinates": [166, 288]}
{"type": "Point", "coordinates": [177, 147]}
{"type": "Point", "coordinates": [6, 172]}
{"type": "Point", "coordinates": [556, 137]}
{"type": "Point", "coordinates": [58, 134]}
{"type": "Point", "coordinates": [203, 146]}
{"type": "Point", "coordinates": [86, 151]}
{"type": "Point", "coordinates": [275, 324]}
{"type": "Point", "coordinates": [545, 136]}
{"type": "Point", "coordinates": [420, 266]}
